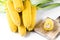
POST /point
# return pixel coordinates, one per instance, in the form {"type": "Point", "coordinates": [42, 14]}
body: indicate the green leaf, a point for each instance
{"type": "Point", "coordinates": [52, 6]}
{"type": "Point", "coordinates": [36, 2]}
{"type": "Point", "coordinates": [48, 6]}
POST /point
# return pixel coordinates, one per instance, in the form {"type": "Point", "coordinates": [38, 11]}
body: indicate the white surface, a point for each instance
{"type": "Point", "coordinates": [6, 34]}
{"type": "Point", "coordinates": [52, 13]}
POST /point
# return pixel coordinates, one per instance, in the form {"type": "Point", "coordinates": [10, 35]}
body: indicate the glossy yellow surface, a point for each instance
{"type": "Point", "coordinates": [13, 13]}
{"type": "Point", "coordinates": [49, 24]}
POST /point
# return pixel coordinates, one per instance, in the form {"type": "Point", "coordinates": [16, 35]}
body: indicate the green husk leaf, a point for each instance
{"type": "Point", "coordinates": [48, 6]}
{"type": "Point", "coordinates": [52, 6]}
{"type": "Point", "coordinates": [36, 2]}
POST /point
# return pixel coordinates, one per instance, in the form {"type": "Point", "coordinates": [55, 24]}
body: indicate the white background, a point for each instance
{"type": "Point", "coordinates": [6, 34]}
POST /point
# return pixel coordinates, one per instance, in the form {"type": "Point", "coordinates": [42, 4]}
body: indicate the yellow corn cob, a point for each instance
{"type": "Point", "coordinates": [49, 24]}
{"type": "Point", "coordinates": [33, 13]}
{"type": "Point", "coordinates": [22, 30]}
{"type": "Point", "coordinates": [13, 27]}
{"type": "Point", "coordinates": [18, 4]}
{"type": "Point", "coordinates": [13, 13]}
{"type": "Point", "coordinates": [26, 14]}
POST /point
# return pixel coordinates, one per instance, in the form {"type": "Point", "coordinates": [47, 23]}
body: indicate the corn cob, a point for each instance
{"type": "Point", "coordinates": [49, 24]}
{"type": "Point", "coordinates": [13, 13]}
{"type": "Point", "coordinates": [22, 30]}
{"type": "Point", "coordinates": [13, 27]}
{"type": "Point", "coordinates": [26, 14]}
{"type": "Point", "coordinates": [33, 13]}
{"type": "Point", "coordinates": [18, 4]}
